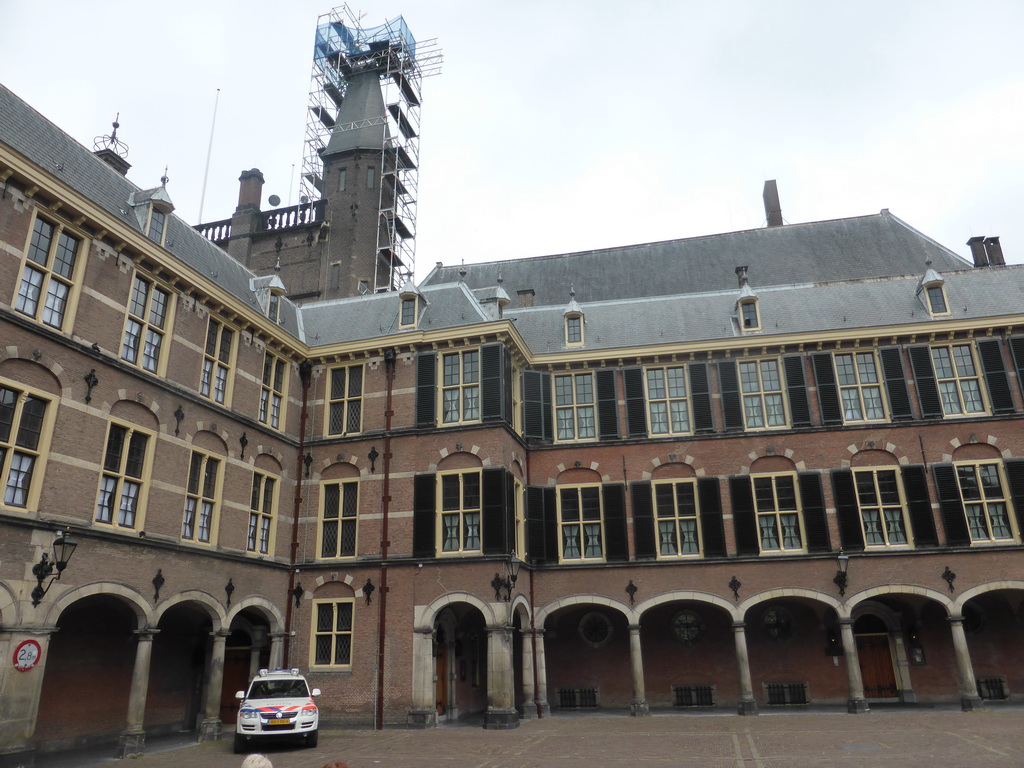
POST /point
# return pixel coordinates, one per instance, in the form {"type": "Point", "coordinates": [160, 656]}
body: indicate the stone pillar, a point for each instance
{"type": "Point", "coordinates": [277, 650]}
{"type": "Point", "coordinates": [637, 707]}
{"type": "Point", "coordinates": [424, 709]}
{"type": "Point", "coordinates": [19, 696]}
{"type": "Point", "coordinates": [969, 698]}
{"type": "Point", "coordinates": [501, 701]}
{"type": "Point", "coordinates": [856, 703]}
{"type": "Point", "coordinates": [209, 729]}
{"type": "Point", "coordinates": [132, 742]}
{"type": "Point", "coordinates": [747, 705]}
{"type": "Point", "coordinates": [529, 707]}
{"type": "Point", "coordinates": [542, 675]}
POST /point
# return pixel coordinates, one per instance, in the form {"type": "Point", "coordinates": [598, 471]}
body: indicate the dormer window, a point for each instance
{"type": "Point", "coordinates": [574, 329]}
{"type": "Point", "coordinates": [274, 306]}
{"type": "Point", "coordinates": [408, 318]}
{"type": "Point", "coordinates": [155, 230]}
{"type": "Point", "coordinates": [749, 315]}
{"type": "Point", "coordinates": [931, 292]}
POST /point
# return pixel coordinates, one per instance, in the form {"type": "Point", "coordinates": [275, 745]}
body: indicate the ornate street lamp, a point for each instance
{"type": "Point", "coordinates": [508, 583]}
{"type": "Point", "coordinates": [840, 580]}
{"type": "Point", "coordinates": [63, 548]}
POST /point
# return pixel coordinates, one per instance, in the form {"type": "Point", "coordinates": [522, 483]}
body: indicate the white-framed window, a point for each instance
{"type": "Point", "coordinates": [332, 633]}
{"type": "Point", "coordinates": [460, 386]}
{"type": "Point", "coordinates": [202, 505]}
{"type": "Point", "coordinates": [407, 312]}
{"type": "Point", "coordinates": [859, 386]}
{"type": "Point", "coordinates": [761, 387]}
{"type": "Point", "coordinates": [48, 274]}
{"type": "Point", "coordinates": [217, 361]}
{"type": "Point", "coordinates": [937, 304]}
{"type": "Point", "coordinates": [574, 406]}
{"type": "Point", "coordinates": [574, 329]}
{"type": "Point", "coordinates": [272, 390]}
{"type": "Point", "coordinates": [145, 325]}
{"type": "Point", "coordinates": [668, 401]}
{"type": "Point", "coordinates": [339, 518]}
{"type": "Point", "coordinates": [459, 502]}
{"type": "Point", "coordinates": [750, 315]}
{"type": "Point", "coordinates": [986, 504]}
{"type": "Point", "coordinates": [122, 482]}
{"type": "Point", "coordinates": [880, 500]}
{"type": "Point", "coordinates": [345, 400]}
{"type": "Point", "coordinates": [676, 516]}
{"type": "Point", "coordinates": [22, 422]}
{"type": "Point", "coordinates": [779, 522]}
{"type": "Point", "coordinates": [958, 380]}
{"type": "Point", "coordinates": [581, 522]}
{"type": "Point", "coordinates": [262, 503]}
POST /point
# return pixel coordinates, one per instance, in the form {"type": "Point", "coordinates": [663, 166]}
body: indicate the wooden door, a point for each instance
{"type": "Point", "coordinates": [876, 667]}
{"type": "Point", "coordinates": [236, 678]}
{"type": "Point", "coordinates": [442, 679]}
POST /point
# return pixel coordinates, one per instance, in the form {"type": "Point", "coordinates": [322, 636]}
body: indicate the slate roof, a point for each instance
{"type": "Point", "coordinates": [878, 245]}
{"type": "Point", "coordinates": [43, 143]}
{"type": "Point", "coordinates": [355, 126]}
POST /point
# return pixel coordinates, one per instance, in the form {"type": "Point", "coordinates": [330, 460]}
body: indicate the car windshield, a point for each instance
{"type": "Point", "coordinates": [278, 689]}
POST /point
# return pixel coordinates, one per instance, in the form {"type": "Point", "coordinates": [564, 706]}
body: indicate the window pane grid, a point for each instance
{"type": "Point", "coordinates": [581, 521]}
{"type": "Point", "coordinates": [200, 498]}
{"type": "Point", "coordinates": [460, 505]}
{"type": "Point", "coordinates": [55, 267]}
{"type": "Point", "coordinates": [332, 639]}
{"type": "Point", "coordinates": [778, 513]}
{"type": "Point", "coordinates": [216, 362]}
{"type": "Point", "coordinates": [957, 379]}
{"type": "Point", "coordinates": [574, 412]}
{"type": "Point", "coordinates": [345, 404]}
{"type": "Point", "coordinates": [460, 388]}
{"type": "Point", "coordinates": [761, 387]}
{"type": "Point", "coordinates": [261, 513]}
{"type": "Point", "coordinates": [985, 505]}
{"type": "Point", "coordinates": [338, 521]}
{"type": "Point", "coordinates": [667, 402]}
{"type": "Point", "coordinates": [147, 312]}
{"type": "Point", "coordinates": [21, 425]}
{"type": "Point", "coordinates": [676, 509]}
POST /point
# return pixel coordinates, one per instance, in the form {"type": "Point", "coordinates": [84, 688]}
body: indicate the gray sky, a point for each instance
{"type": "Point", "coordinates": [569, 125]}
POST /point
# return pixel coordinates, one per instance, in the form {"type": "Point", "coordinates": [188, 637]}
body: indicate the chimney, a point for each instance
{"type": "Point", "coordinates": [114, 160]}
{"type": "Point", "coordinates": [250, 189]}
{"type": "Point", "coordinates": [994, 251]}
{"type": "Point", "coordinates": [741, 275]}
{"type": "Point", "coordinates": [772, 207]}
{"type": "Point", "coordinates": [978, 251]}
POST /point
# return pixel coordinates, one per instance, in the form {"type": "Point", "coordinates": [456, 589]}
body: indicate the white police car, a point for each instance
{"type": "Point", "coordinates": [277, 704]}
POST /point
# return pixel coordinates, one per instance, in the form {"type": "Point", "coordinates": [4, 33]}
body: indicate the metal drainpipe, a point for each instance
{"type": "Point", "coordinates": [533, 626]}
{"type": "Point", "coordinates": [382, 602]}
{"type": "Point", "coordinates": [305, 373]}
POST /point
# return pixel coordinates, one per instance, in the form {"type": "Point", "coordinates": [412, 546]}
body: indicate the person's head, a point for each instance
{"type": "Point", "coordinates": [336, 764]}
{"type": "Point", "coordinates": [257, 761]}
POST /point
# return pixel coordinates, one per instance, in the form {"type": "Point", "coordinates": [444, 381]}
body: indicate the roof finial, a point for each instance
{"type": "Point", "coordinates": [572, 292]}
{"type": "Point", "coordinates": [111, 142]}
{"type": "Point", "coordinates": [164, 179]}
{"type": "Point", "coordinates": [500, 278]}
{"type": "Point", "coordinates": [462, 271]}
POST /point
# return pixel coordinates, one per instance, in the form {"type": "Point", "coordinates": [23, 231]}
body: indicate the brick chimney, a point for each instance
{"type": "Point", "coordinates": [977, 245]}
{"type": "Point", "coordinates": [994, 251]}
{"type": "Point", "coordinates": [772, 207]}
{"type": "Point", "coordinates": [250, 189]}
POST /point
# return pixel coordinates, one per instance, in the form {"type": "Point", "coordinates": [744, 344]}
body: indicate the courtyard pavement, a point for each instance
{"type": "Point", "coordinates": [904, 737]}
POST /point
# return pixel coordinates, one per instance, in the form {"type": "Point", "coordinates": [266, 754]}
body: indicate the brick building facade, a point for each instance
{"type": "Point", "coordinates": [264, 465]}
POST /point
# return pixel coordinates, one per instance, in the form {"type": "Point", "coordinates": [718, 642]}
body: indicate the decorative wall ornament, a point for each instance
{"type": "Point", "coordinates": [158, 582]}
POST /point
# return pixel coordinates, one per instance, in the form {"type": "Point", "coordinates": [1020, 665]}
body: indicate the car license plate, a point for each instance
{"type": "Point", "coordinates": [280, 721]}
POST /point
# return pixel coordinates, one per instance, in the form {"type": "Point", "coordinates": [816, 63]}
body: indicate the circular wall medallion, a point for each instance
{"type": "Point", "coordinates": [595, 629]}
{"type": "Point", "coordinates": [777, 623]}
{"type": "Point", "coordinates": [687, 626]}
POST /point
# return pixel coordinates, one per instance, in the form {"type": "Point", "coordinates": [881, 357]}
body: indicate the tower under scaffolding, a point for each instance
{"type": "Point", "coordinates": [344, 54]}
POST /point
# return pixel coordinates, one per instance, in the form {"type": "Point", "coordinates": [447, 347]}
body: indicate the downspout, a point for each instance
{"type": "Point", "coordinates": [306, 374]}
{"type": "Point", "coordinates": [382, 602]}
{"type": "Point", "coordinates": [533, 626]}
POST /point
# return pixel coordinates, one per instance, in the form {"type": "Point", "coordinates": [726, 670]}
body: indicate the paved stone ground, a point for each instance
{"type": "Point", "coordinates": [905, 738]}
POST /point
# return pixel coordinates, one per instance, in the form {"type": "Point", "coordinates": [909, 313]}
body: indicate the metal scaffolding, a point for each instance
{"type": "Point", "coordinates": [343, 48]}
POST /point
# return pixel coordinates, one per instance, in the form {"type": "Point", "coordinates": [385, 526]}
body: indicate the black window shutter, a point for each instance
{"type": "Point", "coordinates": [828, 392]}
{"type": "Point", "coordinates": [507, 374]}
{"type": "Point", "coordinates": [1017, 348]}
{"type": "Point", "coordinates": [537, 405]}
{"type": "Point", "coordinates": [924, 376]}
{"type": "Point", "coordinates": [541, 525]}
{"type": "Point", "coordinates": [616, 536]}
{"type": "Point", "coordinates": [493, 382]}
{"type": "Point", "coordinates": [896, 383]}
{"type": "Point", "coordinates": [919, 506]}
{"type": "Point", "coordinates": [636, 407]}
{"type": "Point", "coordinates": [991, 354]}
{"type": "Point", "coordinates": [815, 520]}
{"type": "Point", "coordinates": [644, 537]}
{"type": "Point", "coordinates": [748, 541]}
{"type": "Point", "coordinates": [843, 489]}
{"type": "Point", "coordinates": [426, 390]}
{"type": "Point", "coordinates": [494, 513]}
{"type": "Point", "coordinates": [424, 516]}
{"type": "Point", "coordinates": [510, 515]}
{"type": "Point", "coordinates": [700, 398]}
{"type": "Point", "coordinates": [711, 526]}
{"type": "Point", "coordinates": [607, 404]}
{"type": "Point", "coordinates": [796, 384]}
{"type": "Point", "coordinates": [1015, 476]}
{"type": "Point", "coordinates": [732, 406]}
{"type": "Point", "coordinates": [953, 518]}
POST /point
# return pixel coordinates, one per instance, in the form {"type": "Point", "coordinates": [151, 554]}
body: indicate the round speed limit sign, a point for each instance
{"type": "Point", "coordinates": [26, 655]}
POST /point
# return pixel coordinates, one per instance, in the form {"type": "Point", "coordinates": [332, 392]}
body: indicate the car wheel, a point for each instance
{"type": "Point", "coordinates": [240, 743]}
{"type": "Point", "coordinates": [312, 738]}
